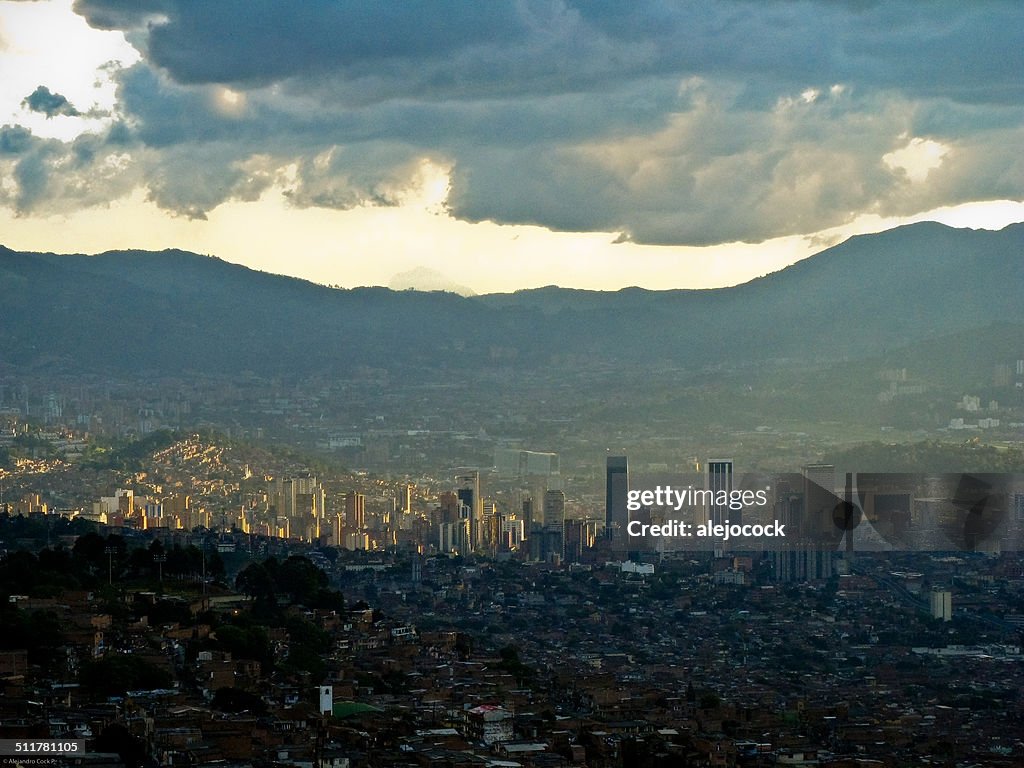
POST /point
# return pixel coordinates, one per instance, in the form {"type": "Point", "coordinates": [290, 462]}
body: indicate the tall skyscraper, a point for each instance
{"type": "Point", "coordinates": [718, 478]}
{"type": "Point", "coordinates": [469, 495]}
{"type": "Point", "coordinates": [491, 519]}
{"type": "Point", "coordinates": [301, 499]}
{"type": "Point", "coordinates": [338, 538]}
{"type": "Point", "coordinates": [511, 534]}
{"type": "Point", "coordinates": [616, 513]}
{"type": "Point", "coordinates": [355, 511]}
{"type": "Point", "coordinates": [284, 496]}
{"type": "Point", "coordinates": [554, 510]}
{"type": "Point", "coordinates": [448, 507]}
{"type": "Point", "coordinates": [527, 514]}
{"type": "Point", "coordinates": [820, 501]}
{"type": "Point", "coordinates": [579, 536]}
{"type": "Point", "coordinates": [403, 499]}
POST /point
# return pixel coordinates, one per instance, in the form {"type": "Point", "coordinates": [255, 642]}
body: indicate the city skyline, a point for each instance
{"type": "Point", "coordinates": [506, 147]}
{"type": "Point", "coordinates": [248, 520]}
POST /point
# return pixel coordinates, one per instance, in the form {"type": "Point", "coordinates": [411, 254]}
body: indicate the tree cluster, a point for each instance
{"type": "Point", "coordinates": [296, 580]}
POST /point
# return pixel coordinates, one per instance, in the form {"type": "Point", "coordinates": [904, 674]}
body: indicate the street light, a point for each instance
{"type": "Point", "coordinates": [160, 560]}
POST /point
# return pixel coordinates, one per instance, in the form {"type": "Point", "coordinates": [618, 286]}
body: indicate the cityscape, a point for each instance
{"type": "Point", "coordinates": [515, 384]}
{"type": "Point", "coordinates": [397, 528]}
{"type": "Point", "coordinates": [220, 597]}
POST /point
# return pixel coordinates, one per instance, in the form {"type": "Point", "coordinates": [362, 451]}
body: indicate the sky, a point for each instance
{"type": "Point", "coordinates": [507, 144]}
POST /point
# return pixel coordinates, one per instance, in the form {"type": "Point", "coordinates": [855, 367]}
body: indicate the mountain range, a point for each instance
{"type": "Point", "coordinates": [174, 311]}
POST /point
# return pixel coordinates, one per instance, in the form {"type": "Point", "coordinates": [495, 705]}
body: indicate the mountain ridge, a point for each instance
{"type": "Point", "coordinates": [126, 310]}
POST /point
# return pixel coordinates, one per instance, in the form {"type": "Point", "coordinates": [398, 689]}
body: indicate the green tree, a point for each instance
{"type": "Point", "coordinates": [38, 632]}
{"type": "Point", "coordinates": [300, 579]}
{"type": "Point", "coordinates": [114, 675]}
{"type": "Point", "coordinates": [306, 644]}
{"type": "Point", "coordinates": [247, 643]}
{"type": "Point", "coordinates": [710, 700]}
{"type": "Point", "coordinates": [254, 580]}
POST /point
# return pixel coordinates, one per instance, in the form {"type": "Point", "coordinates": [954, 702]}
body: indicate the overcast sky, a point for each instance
{"type": "Point", "coordinates": [504, 144]}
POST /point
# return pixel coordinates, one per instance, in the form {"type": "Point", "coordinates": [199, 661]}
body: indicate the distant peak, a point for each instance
{"type": "Point", "coordinates": [426, 279]}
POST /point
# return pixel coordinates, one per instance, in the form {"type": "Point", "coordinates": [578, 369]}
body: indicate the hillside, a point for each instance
{"type": "Point", "coordinates": [175, 311]}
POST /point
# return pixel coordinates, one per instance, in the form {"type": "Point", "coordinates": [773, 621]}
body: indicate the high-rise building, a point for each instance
{"type": "Point", "coordinates": [301, 499]}
{"type": "Point", "coordinates": [580, 535]}
{"type": "Point", "coordinates": [802, 562]}
{"type": "Point", "coordinates": [554, 510]}
{"type": "Point", "coordinates": [528, 513]}
{"type": "Point", "coordinates": [512, 534]}
{"type": "Point", "coordinates": [454, 537]}
{"type": "Point", "coordinates": [448, 507]}
{"type": "Point", "coordinates": [516, 463]}
{"type": "Point", "coordinates": [536, 543]}
{"type": "Point", "coordinates": [153, 516]}
{"type": "Point", "coordinates": [283, 499]}
{"type": "Point", "coordinates": [491, 524]}
{"type": "Point", "coordinates": [469, 495]}
{"type": "Point", "coordinates": [305, 483]}
{"type": "Point", "coordinates": [820, 501]}
{"type": "Point", "coordinates": [941, 603]}
{"type": "Point", "coordinates": [403, 499]}
{"type": "Point", "coordinates": [125, 502]}
{"type": "Point", "coordinates": [554, 522]}
{"type": "Point", "coordinates": [285, 489]}
{"type": "Point", "coordinates": [616, 513]}
{"type": "Point", "coordinates": [355, 512]}
{"type": "Point", "coordinates": [718, 477]}
{"type": "Point", "coordinates": [179, 505]}
{"type": "Point", "coordinates": [310, 516]}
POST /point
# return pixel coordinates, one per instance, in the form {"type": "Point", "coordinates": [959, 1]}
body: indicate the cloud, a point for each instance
{"type": "Point", "coordinates": [711, 173]}
{"type": "Point", "coordinates": [446, 49]}
{"type": "Point", "coordinates": [690, 123]}
{"type": "Point", "coordinates": [52, 176]}
{"type": "Point", "coordinates": [43, 100]}
{"type": "Point", "coordinates": [14, 139]}
{"type": "Point", "coordinates": [917, 158]}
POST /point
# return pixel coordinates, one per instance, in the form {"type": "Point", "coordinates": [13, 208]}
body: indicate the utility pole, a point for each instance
{"type": "Point", "coordinates": [110, 564]}
{"type": "Point", "coordinates": [318, 743]}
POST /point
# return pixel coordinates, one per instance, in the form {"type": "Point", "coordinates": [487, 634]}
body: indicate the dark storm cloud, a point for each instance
{"type": "Point", "coordinates": [445, 48]}
{"type": "Point", "coordinates": [673, 122]}
{"type": "Point", "coordinates": [28, 161]}
{"type": "Point", "coordinates": [43, 100]}
{"type": "Point", "coordinates": [14, 139]}
{"type": "Point", "coordinates": [52, 176]}
{"type": "Point", "coordinates": [216, 42]}
{"type": "Point", "coordinates": [710, 177]}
